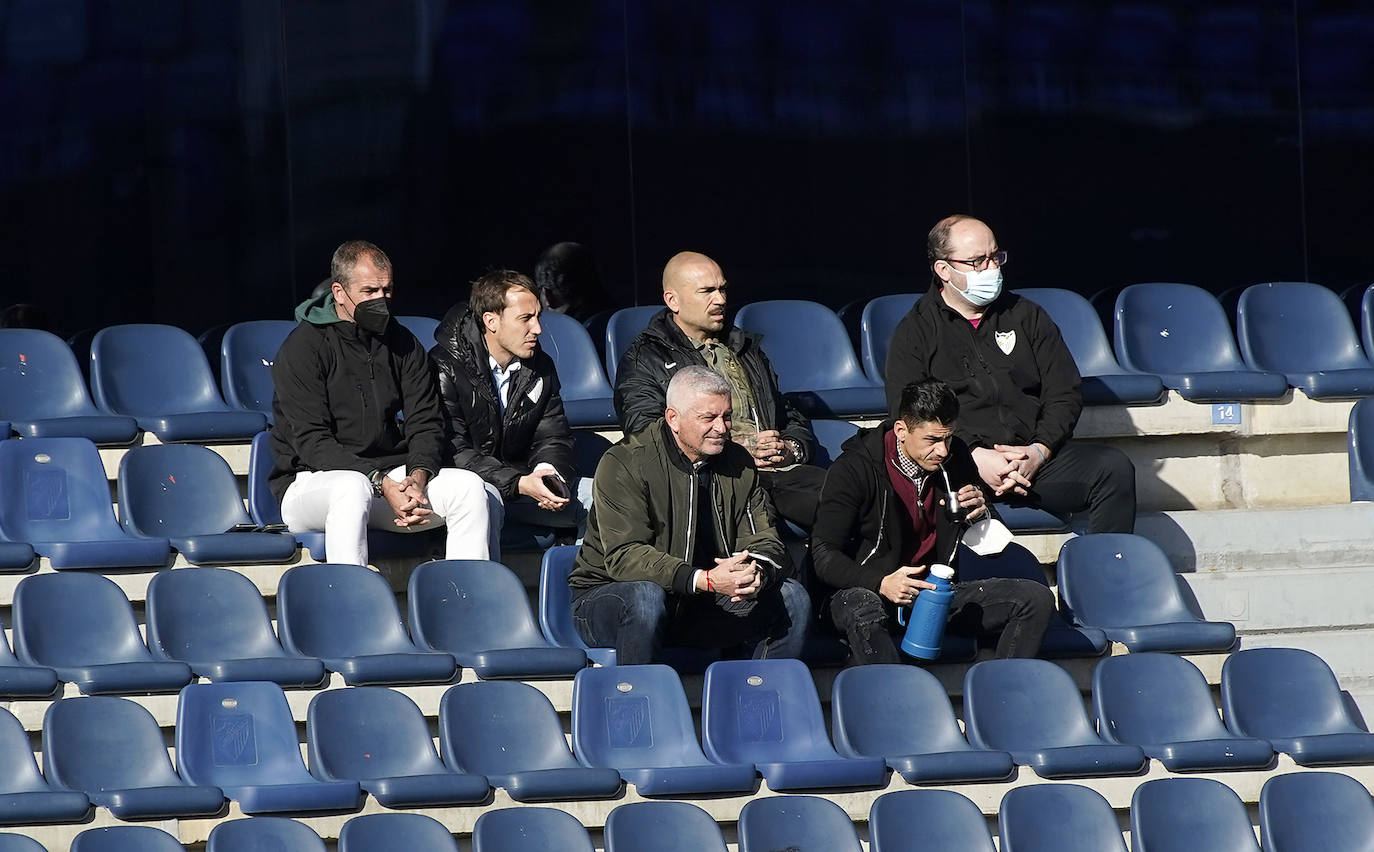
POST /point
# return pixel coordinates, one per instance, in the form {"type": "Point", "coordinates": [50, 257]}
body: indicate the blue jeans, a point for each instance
{"type": "Point", "coordinates": [639, 618]}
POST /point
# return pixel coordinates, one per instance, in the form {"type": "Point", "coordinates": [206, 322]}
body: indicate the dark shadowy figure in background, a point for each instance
{"type": "Point", "coordinates": [24, 315]}
{"type": "Point", "coordinates": [568, 281]}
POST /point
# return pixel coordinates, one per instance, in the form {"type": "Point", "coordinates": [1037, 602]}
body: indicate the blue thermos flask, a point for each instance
{"type": "Point", "coordinates": [929, 612]}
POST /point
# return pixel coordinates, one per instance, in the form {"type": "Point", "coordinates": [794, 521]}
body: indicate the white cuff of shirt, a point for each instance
{"type": "Point", "coordinates": [545, 468]}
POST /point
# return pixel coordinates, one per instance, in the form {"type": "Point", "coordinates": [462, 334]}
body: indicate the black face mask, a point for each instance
{"type": "Point", "coordinates": [373, 315]}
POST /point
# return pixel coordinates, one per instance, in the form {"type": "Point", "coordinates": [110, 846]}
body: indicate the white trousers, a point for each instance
{"type": "Point", "coordinates": [340, 502]}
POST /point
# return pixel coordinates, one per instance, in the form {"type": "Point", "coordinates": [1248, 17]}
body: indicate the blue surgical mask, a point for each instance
{"type": "Point", "coordinates": [982, 286]}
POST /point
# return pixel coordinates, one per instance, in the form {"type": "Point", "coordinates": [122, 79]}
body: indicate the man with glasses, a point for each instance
{"type": "Point", "coordinates": [1016, 382]}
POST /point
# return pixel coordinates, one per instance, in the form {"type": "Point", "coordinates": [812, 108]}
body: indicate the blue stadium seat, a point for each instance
{"type": "Point", "coordinates": [215, 621]}
{"type": "Point", "coordinates": [586, 394]}
{"type": "Point", "coordinates": [19, 843]}
{"type": "Point", "coordinates": [797, 822]}
{"type": "Point", "coordinates": [766, 712]}
{"type": "Point", "coordinates": [20, 681]}
{"type": "Point", "coordinates": [1303, 331]}
{"type": "Point", "coordinates": [522, 829]}
{"type": "Point", "coordinates": [15, 556]}
{"type": "Point", "coordinates": [83, 627]}
{"type": "Point", "coordinates": [663, 827]}
{"type": "Point", "coordinates": [241, 738]}
{"type": "Point", "coordinates": [422, 327]}
{"type": "Point", "coordinates": [112, 750]}
{"type": "Point", "coordinates": [1125, 585]}
{"type": "Point", "coordinates": [1186, 814]}
{"type": "Point", "coordinates": [1291, 698]}
{"type": "Point", "coordinates": [1361, 450]}
{"type": "Point", "coordinates": [45, 395]}
{"type": "Point", "coordinates": [1032, 709]}
{"type": "Point", "coordinates": [555, 605]}
{"type": "Point", "coordinates": [902, 714]}
{"type": "Point", "coordinates": [211, 342]}
{"type": "Point", "coordinates": [54, 494]}
{"type": "Point", "coordinates": [246, 356]}
{"type": "Point", "coordinates": [913, 820]}
{"type": "Point", "coordinates": [588, 448]}
{"type": "Point", "coordinates": [635, 719]}
{"type": "Point", "coordinates": [5, 430]}
{"type": "Point", "coordinates": [478, 611]}
{"type": "Point", "coordinates": [1058, 818]}
{"type": "Point", "coordinates": [263, 834]}
{"type": "Point", "coordinates": [187, 494]}
{"type": "Point", "coordinates": [877, 324]}
{"type": "Point", "coordinates": [379, 738]}
{"type": "Point", "coordinates": [1163, 704]}
{"type": "Point", "coordinates": [509, 732]}
{"type": "Point", "coordinates": [395, 831]}
{"type": "Point", "coordinates": [1313, 811]}
{"type": "Point", "coordinates": [1016, 562]}
{"type": "Point", "coordinates": [1104, 382]}
{"type": "Point", "coordinates": [159, 375]}
{"type": "Point", "coordinates": [25, 797]}
{"type": "Point", "coordinates": [1179, 332]}
{"type": "Point", "coordinates": [813, 359]}
{"type": "Point", "coordinates": [125, 838]}
{"type": "Point", "coordinates": [830, 438]}
{"type": "Point", "coordinates": [346, 615]}
{"type": "Point", "coordinates": [1367, 318]}
{"type": "Point", "coordinates": [623, 327]}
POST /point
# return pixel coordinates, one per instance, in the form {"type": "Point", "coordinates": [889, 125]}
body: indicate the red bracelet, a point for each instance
{"type": "Point", "coordinates": [710, 587]}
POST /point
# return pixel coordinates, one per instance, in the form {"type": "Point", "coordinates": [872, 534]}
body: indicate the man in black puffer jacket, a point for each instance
{"type": "Point", "coordinates": [500, 395]}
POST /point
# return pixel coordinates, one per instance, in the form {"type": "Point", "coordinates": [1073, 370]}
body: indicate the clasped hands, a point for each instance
{"type": "Point", "coordinates": [769, 449]}
{"type": "Point", "coordinates": [736, 576]}
{"type": "Point", "coordinates": [407, 498]}
{"type": "Point", "coordinates": [1007, 467]}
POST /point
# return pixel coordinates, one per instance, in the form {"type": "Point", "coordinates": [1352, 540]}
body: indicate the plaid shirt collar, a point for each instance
{"type": "Point", "coordinates": [910, 469]}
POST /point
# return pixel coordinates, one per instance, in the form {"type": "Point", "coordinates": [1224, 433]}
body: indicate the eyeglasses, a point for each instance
{"type": "Point", "coordinates": [981, 262]}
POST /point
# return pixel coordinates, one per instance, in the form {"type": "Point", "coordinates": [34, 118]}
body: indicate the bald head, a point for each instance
{"type": "Point", "coordinates": [694, 290]}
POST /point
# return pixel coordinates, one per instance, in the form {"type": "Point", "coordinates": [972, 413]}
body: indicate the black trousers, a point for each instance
{"type": "Point", "coordinates": [795, 493]}
{"type": "Point", "coordinates": [1020, 609]}
{"type": "Point", "coordinates": [1082, 476]}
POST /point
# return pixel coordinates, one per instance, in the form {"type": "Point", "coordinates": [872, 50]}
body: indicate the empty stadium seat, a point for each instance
{"type": "Point", "coordinates": [876, 325]}
{"type": "Point", "coordinates": [586, 394]}
{"type": "Point", "coordinates": [509, 732]}
{"type": "Point", "coordinates": [15, 556]}
{"type": "Point", "coordinates": [126, 838]}
{"type": "Point", "coordinates": [621, 330]}
{"type": "Point", "coordinates": [83, 627]}
{"type": "Point", "coordinates": [25, 797]}
{"type": "Point", "coordinates": [1315, 811]}
{"type": "Point", "coordinates": [1367, 318]}
{"type": "Point", "coordinates": [19, 843]}
{"type": "Point", "coordinates": [1360, 439]}
{"type": "Point", "coordinates": [158, 375]}
{"type": "Point", "coordinates": [346, 615]}
{"type": "Point", "coordinates": [263, 834]}
{"type": "Point", "coordinates": [912, 820]}
{"type": "Point", "coordinates": [422, 327]}
{"type": "Point", "coordinates": [241, 738]}
{"type": "Point", "coordinates": [1057, 818]}
{"type": "Point", "coordinates": [1032, 709]}
{"type": "Point", "coordinates": [522, 829]}
{"type": "Point", "coordinates": [1303, 331]}
{"type": "Point", "coordinates": [766, 712]}
{"type": "Point", "coordinates": [379, 738]}
{"type": "Point", "coordinates": [1179, 332]}
{"type": "Point", "coordinates": [478, 611]}
{"type": "Point", "coordinates": [1163, 704]}
{"type": "Point", "coordinates": [796, 822]}
{"type": "Point", "coordinates": [663, 827]}
{"type": "Point", "coordinates": [112, 750]}
{"type": "Point", "coordinates": [395, 831]}
{"type": "Point", "coordinates": [215, 621]}
{"type": "Point", "coordinates": [1125, 585]}
{"type": "Point", "coordinates": [188, 495]}
{"type": "Point", "coordinates": [1104, 382]}
{"type": "Point", "coordinates": [830, 438]}
{"type": "Point", "coordinates": [20, 681]}
{"type": "Point", "coordinates": [902, 714]}
{"type": "Point", "coordinates": [246, 355]}
{"type": "Point", "coordinates": [635, 719]}
{"type": "Point", "coordinates": [1291, 698]}
{"type": "Point", "coordinates": [54, 494]}
{"type": "Point", "coordinates": [1186, 814]}
{"type": "Point", "coordinates": [44, 395]}
{"type": "Point", "coordinates": [555, 605]}
{"type": "Point", "coordinates": [813, 359]}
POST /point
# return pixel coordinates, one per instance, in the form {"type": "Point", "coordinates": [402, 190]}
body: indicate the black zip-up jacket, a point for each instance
{"type": "Point", "coordinates": [498, 447]}
{"type": "Point", "coordinates": [644, 520]}
{"type": "Point", "coordinates": [858, 536]}
{"type": "Point", "coordinates": [348, 400]}
{"type": "Point", "coordinates": [641, 380]}
{"type": "Point", "coordinates": [1025, 395]}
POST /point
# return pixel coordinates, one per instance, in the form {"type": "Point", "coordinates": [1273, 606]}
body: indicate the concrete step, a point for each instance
{"type": "Point", "coordinates": [1290, 599]}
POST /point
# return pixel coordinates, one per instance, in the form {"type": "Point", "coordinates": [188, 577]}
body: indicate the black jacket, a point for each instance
{"type": "Point", "coordinates": [1019, 397]}
{"type": "Point", "coordinates": [641, 382]}
{"type": "Point", "coordinates": [345, 400]}
{"type": "Point", "coordinates": [857, 538]}
{"type": "Point", "coordinates": [499, 448]}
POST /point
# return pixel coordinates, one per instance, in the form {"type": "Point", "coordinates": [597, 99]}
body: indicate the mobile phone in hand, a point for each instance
{"type": "Point", "coordinates": [555, 483]}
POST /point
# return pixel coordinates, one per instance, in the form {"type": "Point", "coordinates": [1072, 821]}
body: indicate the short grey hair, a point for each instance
{"type": "Point", "coordinates": [691, 382]}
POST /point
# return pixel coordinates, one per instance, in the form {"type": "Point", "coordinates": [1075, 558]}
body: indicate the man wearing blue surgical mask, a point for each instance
{"type": "Point", "coordinates": [1017, 384]}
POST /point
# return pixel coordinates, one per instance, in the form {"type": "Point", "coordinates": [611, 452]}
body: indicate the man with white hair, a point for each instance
{"type": "Point", "coordinates": [680, 547]}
